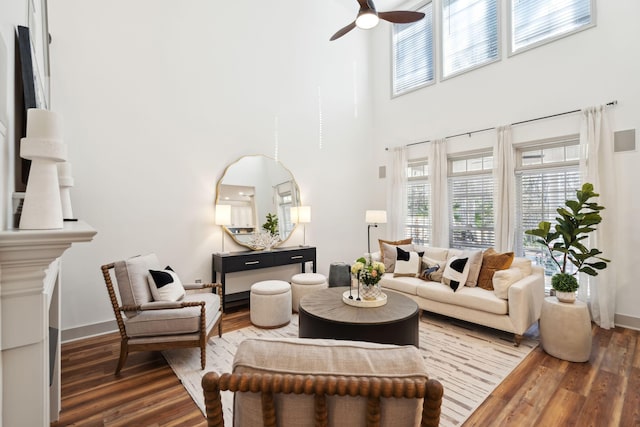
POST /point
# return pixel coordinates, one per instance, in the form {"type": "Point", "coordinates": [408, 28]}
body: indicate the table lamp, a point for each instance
{"type": "Point", "coordinates": [223, 218]}
{"type": "Point", "coordinates": [301, 215]}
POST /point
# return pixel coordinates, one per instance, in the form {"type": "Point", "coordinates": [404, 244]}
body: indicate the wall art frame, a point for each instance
{"type": "Point", "coordinates": [38, 24]}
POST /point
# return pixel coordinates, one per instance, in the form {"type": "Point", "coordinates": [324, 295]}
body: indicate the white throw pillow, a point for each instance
{"type": "Point", "coordinates": [389, 253]}
{"type": "Point", "coordinates": [407, 263]}
{"type": "Point", "coordinates": [475, 263]}
{"type": "Point", "coordinates": [503, 279]}
{"type": "Point", "coordinates": [165, 285]}
{"type": "Point", "coordinates": [456, 272]}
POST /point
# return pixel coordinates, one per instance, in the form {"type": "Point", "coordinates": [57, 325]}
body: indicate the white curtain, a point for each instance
{"type": "Point", "coordinates": [505, 190]}
{"type": "Point", "coordinates": [439, 208]}
{"type": "Point", "coordinates": [596, 167]}
{"type": "Point", "coordinates": [397, 194]}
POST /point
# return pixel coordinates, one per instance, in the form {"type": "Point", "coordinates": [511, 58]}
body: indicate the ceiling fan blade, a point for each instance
{"type": "Point", "coordinates": [341, 32]}
{"type": "Point", "coordinates": [401, 16]}
{"type": "Point", "coordinates": [366, 4]}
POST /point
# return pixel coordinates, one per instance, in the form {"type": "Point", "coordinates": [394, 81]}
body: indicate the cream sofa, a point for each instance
{"type": "Point", "coordinates": [513, 306]}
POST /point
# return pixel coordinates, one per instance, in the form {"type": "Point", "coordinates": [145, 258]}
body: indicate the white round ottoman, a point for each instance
{"type": "Point", "coordinates": [270, 303]}
{"type": "Point", "coordinates": [304, 283]}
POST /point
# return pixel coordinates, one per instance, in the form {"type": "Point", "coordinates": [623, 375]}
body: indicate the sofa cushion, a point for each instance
{"type": "Point", "coordinates": [389, 253]}
{"type": "Point", "coordinates": [182, 321]}
{"type": "Point", "coordinates": [131, 276]}
{"type": "Point", "coordinates": [474, 298]}
{"type": "Point", "coordinates": [299, 356]}
{"type": "Point", "coordinates": [493, 261]}
{"type": "Point", "coordinates": [438, 254]}
{"type": "Point", "coordinates": [503, 279]}
{"type": "Point", "coordinates": [407, 285]}
{"type": "Point", "coordinates": [456, 272]}
{"type": "Point", "coordinates": [408, 263]}
{"type": "Point", "coordinates": [522, 264]}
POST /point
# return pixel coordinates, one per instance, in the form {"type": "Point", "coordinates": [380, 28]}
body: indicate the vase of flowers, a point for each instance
{"type": "Point", "coordinates": [368, 274]}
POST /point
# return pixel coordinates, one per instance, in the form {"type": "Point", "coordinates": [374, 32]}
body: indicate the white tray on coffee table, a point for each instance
{"type": "Point", "coordinates": [378, 302]}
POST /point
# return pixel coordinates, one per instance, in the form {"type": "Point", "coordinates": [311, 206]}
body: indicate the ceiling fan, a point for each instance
{"type": "Point", "coordinates": [368, 18]}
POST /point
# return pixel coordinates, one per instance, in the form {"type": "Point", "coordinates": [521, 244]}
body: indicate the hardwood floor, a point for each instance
{"type": "Point", "coordinates": [542, 391]}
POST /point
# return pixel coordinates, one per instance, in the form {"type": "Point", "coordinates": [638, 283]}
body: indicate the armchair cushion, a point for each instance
{"type": "Point", "coordinates": [165, 285]}
{"type": "Point", "coordinates": [167, 321]}
{"type": "Point", "coordinates": [131, 276]}
{"type": "Point", "coordinates": [301, 356]}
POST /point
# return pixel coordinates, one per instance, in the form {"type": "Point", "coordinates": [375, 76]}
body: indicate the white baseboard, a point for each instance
{"type": "Point", "coordinates": [87, 331]}
{"type": "Point", "coordinates": [629, 322]}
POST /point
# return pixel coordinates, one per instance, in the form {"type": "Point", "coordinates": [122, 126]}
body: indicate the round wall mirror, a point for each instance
{"type": "Point", "coordinates": [255, 187]}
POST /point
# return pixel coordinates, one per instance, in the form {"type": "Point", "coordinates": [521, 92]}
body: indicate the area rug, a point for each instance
{"type": "Point", "coordinates": [470, 361]}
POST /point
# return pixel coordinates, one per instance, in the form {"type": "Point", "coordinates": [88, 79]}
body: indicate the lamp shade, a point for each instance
{"type": "Point", "coordinates": [376, 217]}
{"type": "Point", "coordinates": [223, 214]}
{"type": "Point", "coordinates": [304, 214]}
{"type": "Point", "coordinates": [300, 214]}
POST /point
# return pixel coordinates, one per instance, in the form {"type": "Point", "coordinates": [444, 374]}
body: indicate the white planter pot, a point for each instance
{"type": "Point", "coordinates": [568, 297]}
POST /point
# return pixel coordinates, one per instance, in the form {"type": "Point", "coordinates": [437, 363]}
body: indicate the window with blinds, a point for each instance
{"type": "Point", "coordinates": [535, 22]}
{"type": "Point", "coordinates": [471, 202]}
{"type": "Point", "coordinates": [545, 178]}
{"type": "Point", "coordinates": [469, 35]}
{"type": "Point", "coordinates": [413, 64]}
{"type": "Point", "coordinates": [418, 224]}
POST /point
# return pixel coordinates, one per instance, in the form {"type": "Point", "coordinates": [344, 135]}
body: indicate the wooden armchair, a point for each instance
{"type": "Point", "coordinates": [355, 384]}
{"type": "Point", "coordinates": [160, 325]}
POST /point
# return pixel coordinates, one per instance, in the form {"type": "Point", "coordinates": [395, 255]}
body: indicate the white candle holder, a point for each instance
{"type": "Point", "coordinates": [66, 182]}
{"type": "Point", "coordinates": [42, 208]}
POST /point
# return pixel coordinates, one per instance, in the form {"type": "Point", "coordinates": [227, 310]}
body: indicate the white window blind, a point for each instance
{"type": "Point", "coordinates": [418, 224]}
{"type": "Point", "coordinates": [469, 34]}
{"type": "Point", "coordinates": [546, 177]}
{"type": "Point", "coordinates": [413, 64]}
{"type": "Point", "coordinates": [534, 22]}
{"type": "Point", "coordinates": [471, 202]}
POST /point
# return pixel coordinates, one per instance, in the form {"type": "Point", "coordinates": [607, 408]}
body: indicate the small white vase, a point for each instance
{"type": "Point", "coordinates": [568, 297]}
{"type": "Point", "coordinates": [370, 292]}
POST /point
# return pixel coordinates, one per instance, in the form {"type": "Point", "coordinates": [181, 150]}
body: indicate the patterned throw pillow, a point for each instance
{"type": "Point", "coordinates": [389, 253]}
{"type": "Point", "coordinates": [165, 285]}
{"type": "Point", "coordinates": [431, 269]}
{"type": "Point", "coordinates": [456, 272]}
{"type": "Point", "coordinates": [407, 263]}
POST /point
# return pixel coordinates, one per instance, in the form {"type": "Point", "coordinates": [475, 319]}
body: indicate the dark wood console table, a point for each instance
{"type": "Point", "coordinates": [253, 260]}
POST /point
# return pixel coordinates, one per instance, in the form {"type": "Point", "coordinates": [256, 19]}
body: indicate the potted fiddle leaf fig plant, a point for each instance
{"type": "Point", "coordinates": [564, 240]}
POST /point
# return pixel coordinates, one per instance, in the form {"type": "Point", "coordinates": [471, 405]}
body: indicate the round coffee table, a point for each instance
{"type": "Point", "coordinates": [323, 314]}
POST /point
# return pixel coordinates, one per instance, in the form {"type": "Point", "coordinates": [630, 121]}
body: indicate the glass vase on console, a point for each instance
{"type": "Point", "coordinates": [368, 274]}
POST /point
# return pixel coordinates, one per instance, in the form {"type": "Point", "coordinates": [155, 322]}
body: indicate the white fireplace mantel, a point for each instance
{"type": "Point", "coordinates": [28, 297]}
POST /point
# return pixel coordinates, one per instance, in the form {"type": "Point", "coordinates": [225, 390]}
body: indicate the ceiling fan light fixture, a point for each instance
{"type": "Point", "coordinates": [367, 20]}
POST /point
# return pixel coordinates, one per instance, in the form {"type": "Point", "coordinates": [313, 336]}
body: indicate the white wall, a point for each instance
{"type": "Point", "coordinates": [158, 96]}
{"type": "Point", "coordinates": [590, 68]}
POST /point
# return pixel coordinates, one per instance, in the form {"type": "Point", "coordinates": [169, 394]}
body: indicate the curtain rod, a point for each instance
{"type": "Point", "coordinates": [608, 104]}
